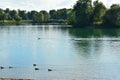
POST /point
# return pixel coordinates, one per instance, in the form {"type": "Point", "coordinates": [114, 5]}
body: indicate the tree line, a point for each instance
{"type": "Point", "coordinates": [88, 13]}
{"type": "Point", "coordinates": [35, 16]}
{"type": "Point", "coordinates": [84, 13]}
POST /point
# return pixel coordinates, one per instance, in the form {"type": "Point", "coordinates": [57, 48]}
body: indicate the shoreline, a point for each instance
{"type": "Point", "coordinates": [13, 79]}
{"type": "Point", "coordinates": [24, 22]}
{"type": "Point", "coordinates": [10, 22]}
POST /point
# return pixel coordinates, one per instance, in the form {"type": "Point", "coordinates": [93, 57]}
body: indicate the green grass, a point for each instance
{"type": "Point", "coordinates": [14, 22]}
{"type": "Point", "coordinates": [26, 21]}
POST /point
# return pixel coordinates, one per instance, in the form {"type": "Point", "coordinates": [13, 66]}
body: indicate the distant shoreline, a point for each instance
{"type": "Point", "coordinates": [12, 22]}
{"type": "Point", "coordinates": [30, 22]}
{"type": "Point", "coordinates": [13, 79]}
{"type": "Point", "coordinates": [9, 22]}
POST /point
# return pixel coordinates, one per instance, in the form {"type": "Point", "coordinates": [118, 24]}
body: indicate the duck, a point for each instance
{"type": "Point", "coordinates": [10, 67]}
{"type": "Point", "coordinates": [39, 38]}
{"type": "Point", "coordinates": [36, 68]}
{"type": "Point", "coordinates": [49, 69]}
{"type": "Point", "coordinates": [34, 64]}
{"type": "Point", "coordinates": [1, 67]}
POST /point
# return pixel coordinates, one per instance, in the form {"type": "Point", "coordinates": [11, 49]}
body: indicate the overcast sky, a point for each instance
{"type": "Point", "coordinates": [44, 4]}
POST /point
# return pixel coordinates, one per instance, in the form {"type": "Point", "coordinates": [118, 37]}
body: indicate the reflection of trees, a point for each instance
{"type": "Point", "coordinates": [91, 49]}
{"type": "Point", "coordinates": [83, 48]}
{"type": "Point", "coordinates": [111, 32]}
{"type": "Point", "coordinates": [88, 49]}
{"type": "Point", "coordinates": [86, 32]}
{"type": "Point", "coordinates": [80, 32]}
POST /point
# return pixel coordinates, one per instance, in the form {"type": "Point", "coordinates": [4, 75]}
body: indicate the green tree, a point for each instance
{"type": "Point", "coordinates": [31, 14]}
{"type": "Point", "coordinates": [8, 17]}
{"type": "Point", "coordinates": [42, 16]}
{"type": "Point", "coordinates": [7, 12]}
{"type": "Point", "coordinates": [13, 13]}
{"type": "Point", "coordinates": [22, 14]}
{"type": "Point", "coordinates": [83, 11]}
{"type": "Point", "coordinates": [39, 17]}
{"type": "Point", "coordinates": [2, 15]}
{"type": "Point", "coordinates": [99, 10]}
{"type": "Point", "coordinates": [71, 16]}
{"type": "Point", "coordinates": [62, 14]}
{"type": "Point", "coordinates": [17, 18]}
{"type": "Point", "coordinates": [46, 15]}
{"type": "Point", "coordinates": [112, 16]}
{"type": "Point", "coordinates": [53, 14]}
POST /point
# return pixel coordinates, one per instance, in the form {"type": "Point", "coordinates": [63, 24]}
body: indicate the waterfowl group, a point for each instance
{"type": "Point", "coordinates": [36, 68]}
{"type": "Point", "coordinates": [10, 67]}
{"type": "Point", "coordinates": [34, 65]}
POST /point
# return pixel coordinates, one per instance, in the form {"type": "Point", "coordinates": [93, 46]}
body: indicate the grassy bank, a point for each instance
{"type": "Point", "coordinates": [13, 22]}
{"type": "Point", "coordinates": [7, 22]}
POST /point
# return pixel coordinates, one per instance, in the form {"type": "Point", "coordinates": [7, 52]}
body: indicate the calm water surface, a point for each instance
{"type": "Point", "coordinates": [72, 54]}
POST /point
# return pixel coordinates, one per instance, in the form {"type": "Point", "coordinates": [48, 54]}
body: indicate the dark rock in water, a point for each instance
{"type": "Point", "coordinates": [1, 67]}
{"type": "Point", "coordinates": [10, 67]}
{"type": "Point", "coordinates": [36, 68]}
{"type": "Point", "coordinates": [34, 64]}
{"type": "Point", "coordinates": [49, 69]}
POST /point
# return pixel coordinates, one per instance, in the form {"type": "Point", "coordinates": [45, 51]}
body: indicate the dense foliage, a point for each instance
{"type": "Point", "coordinates": [87, 14]}
{"type": "Point", "coordinates": [99, 10]}
{"type": "Point", "coordinates": [40, 17]}
{"type": "Point", "coordinates": [112, 16]}
{"type": "Point", "coordinates": [84, 13]}
{"type": "Point", "coordinates": [35, 16]}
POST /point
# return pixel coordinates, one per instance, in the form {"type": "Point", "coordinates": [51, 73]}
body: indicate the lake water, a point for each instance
{"type": "Point", "coordinates": [71, 53]}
